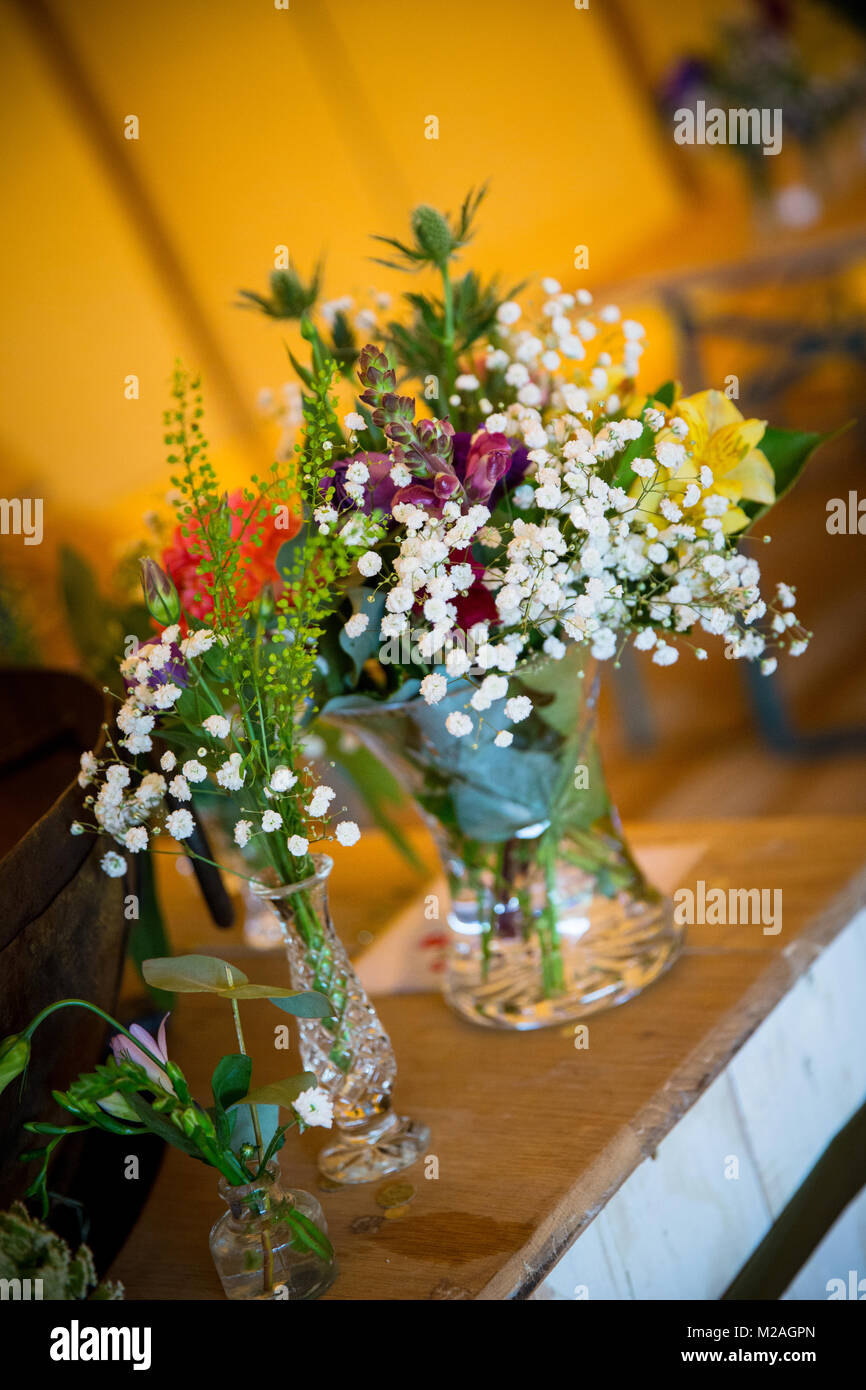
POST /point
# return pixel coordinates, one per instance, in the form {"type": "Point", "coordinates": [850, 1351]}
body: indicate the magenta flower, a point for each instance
{"type": "Point", "coordinates": [123, 1048]}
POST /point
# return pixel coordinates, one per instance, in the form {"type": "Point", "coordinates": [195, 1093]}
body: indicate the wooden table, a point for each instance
{"type": "Point", "coordinates": [532, 1136]}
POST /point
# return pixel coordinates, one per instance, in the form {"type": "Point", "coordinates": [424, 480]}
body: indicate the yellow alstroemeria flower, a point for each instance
{"type": "Point", "coordinates": [726, 443]}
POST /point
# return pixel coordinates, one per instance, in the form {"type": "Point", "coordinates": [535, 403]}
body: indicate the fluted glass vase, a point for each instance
{"type": "Point", "coordinates": [550, 918]}
{"type": "Point", "coordinates": [350, 1052]}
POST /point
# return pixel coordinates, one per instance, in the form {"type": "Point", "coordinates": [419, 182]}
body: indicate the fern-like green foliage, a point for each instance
{"type": "Point", "coordinates": [31, 1250]}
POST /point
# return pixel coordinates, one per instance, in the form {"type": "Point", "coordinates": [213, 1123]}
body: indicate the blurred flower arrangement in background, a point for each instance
{"type": "Point", "coordinates": [758, 62]}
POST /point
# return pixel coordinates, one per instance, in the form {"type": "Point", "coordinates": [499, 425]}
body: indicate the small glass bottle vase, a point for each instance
{"type": "Point", "coordinates": [272, 1242]}
{"type": "Point", "coordinates": [350, 1052]}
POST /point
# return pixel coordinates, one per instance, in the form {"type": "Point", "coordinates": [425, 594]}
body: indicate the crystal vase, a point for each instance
{"type": "Point", "coordinates": [550, 918]}
{"type": "Point", "coordinates": [350, 1052]}
{"type": "Point", "coordinates": [272, 1242]}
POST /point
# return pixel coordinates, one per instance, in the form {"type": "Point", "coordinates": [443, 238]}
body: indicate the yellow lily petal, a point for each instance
{"type": "Point", "coordinates": [754, 478]}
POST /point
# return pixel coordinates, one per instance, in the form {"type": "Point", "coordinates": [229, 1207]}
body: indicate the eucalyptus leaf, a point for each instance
{"type": "Point", "coordinates": [244, 1130]}
{"type": "Point", "coordinates": [192, 974]}
{"type": "Point", "coordinates": [301, 1004]}
{"type": "Point", "coordinates": [360, 649]}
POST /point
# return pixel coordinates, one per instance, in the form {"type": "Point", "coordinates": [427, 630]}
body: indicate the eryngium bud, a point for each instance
{"type": "Point", "coordinates": [432, 233]}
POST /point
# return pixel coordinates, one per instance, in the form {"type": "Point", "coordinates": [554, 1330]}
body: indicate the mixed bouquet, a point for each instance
{"type": "Point", "coordinates": [440, 570]}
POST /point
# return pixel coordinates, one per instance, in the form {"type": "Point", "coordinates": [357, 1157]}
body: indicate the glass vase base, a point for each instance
{"type": "Point", "coordinates": [605, 958]}
{"type": "Point", "coordinates": [373, 1154]}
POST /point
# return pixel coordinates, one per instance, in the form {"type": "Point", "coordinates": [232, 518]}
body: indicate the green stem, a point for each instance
{"type": "Point", "coordinates": [94, 1008]}
{"type": "Point", "coordinates": [450, 372]}
{"type": "Point", "coordinates": [267, 1249]}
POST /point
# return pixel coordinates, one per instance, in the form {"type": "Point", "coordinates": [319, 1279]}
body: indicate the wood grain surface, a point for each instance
{"type": "Point", "coordinates": [531, 1135]}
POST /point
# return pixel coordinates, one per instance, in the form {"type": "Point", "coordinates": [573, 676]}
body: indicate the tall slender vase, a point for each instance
{"type": "Point", "coordinates": [350, 1052]}
{"type": "Point", "coordinates": [550, 917]}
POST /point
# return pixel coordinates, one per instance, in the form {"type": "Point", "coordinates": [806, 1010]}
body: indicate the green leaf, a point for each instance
{"type": "Point", "coordinates": [244, 1130]}
{"type": "Point", "coordinates": [788, 452]}
{"type": "Point", "coordinates": [14, 1056]}
{"type": "Point", "coordinates": [163, 1128]}
{"type": "Point", "coordinates": [192, 974]}
{"type": "Point", "coordinates": [210, 975]}
{"type": "Point", "coordinates": [231, 1079]}
{"type": "Point", "coordinates": [281, 1092]}
{"type": "Point", "coordinates": [307, 1236]}
{"type": "Point", "coordinates": [308, 1004]}
{"type": "Point", "coordinates": [642, 447]}
{"type": "Point", "coordinates": [665, 394]}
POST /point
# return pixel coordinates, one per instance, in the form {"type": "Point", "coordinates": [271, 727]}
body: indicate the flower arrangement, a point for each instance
{"type": "Point", "coordinates": [460, 558]}
{"type": "Point", "coordinates": [547, 502]}
{"type": "Point", "coordinates": [141, 1090]}
{"type": "Point", "coordinates": [516, 510]}
{"type": "Point", "coordinates": [229, 701]}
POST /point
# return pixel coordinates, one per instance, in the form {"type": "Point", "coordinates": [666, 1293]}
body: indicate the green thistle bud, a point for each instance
{"type": "Point", "coordinates": [432, 233]}
{"type": "Point", "coordinates": [160, 595]}
{"type": "Point", "coordinates": [14, 1056]}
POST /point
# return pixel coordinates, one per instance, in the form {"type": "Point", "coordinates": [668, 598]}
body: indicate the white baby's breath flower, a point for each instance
{"type": "Point", "coordinates": [135, 839]}
{"type": "Point", "coordinates": [358, 623]}
{"type": "Point", "coordinates": [519, 707]}
{"type": "Point", "coordinates": [166, 695]}
{"type": "Point", "coordinates": [230, 775]}
{"type": "Point", "coordinates": [113, 864]}
{"type": "Point", "coordinates": [243, 830]}
{"type": "Point", "coordinates": [320, 801]}
{"type": "Point", "coordinates": [197, 643]}
{"type": "Point", "coordinates": [180, 825]}
{"type": "Point", "coordinates": [298, 845]}
{"type": "Point", "coordinates": [457, 724]}
{"type": "Point", "coordinates": [178, 787]}
{"type": "Point", "coordinates": [217, 725]}
{"type": "Point", "coordinates": [353, 421]}
{"type": "Point", "coordinates": [282, 780]}
{"type": "Point", "coordinates": [434, 688]}
{"type": "Point", "coordinates": [370, 563]}
{"type": "Point", "coordinates": [504, 738]}
{"type": "Point", "coordinates": [271, 820]}
{"type": "Point", "coordinates": [194, 771]}
{"type": "Point", "coordinates": [664, 654]}
{"type": "Point", "coordinates": [347, 832]}
{"type": "Point", "coordinates": [168, 761]}
{"type": "Point", "coordinates": [89, 767]}
{"type": "Point", "coordinates": [508, 313]}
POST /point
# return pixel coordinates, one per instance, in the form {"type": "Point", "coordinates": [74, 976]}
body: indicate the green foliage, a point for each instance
{"type": "Point", "coordinates": [148, 936]}
{"type": "Point", "coordinates": [210, 975]}
{"type": "Point", "coordinates": [290, 297]}
{"type": "Point", "coordinates": [18, 640]}
{"type": "Point", "coordinates": [436, 236]}
{"type": "Point", "coordinates": [31, 1250]}
{"type": "Point", "coordinates": [97, 623]}
{"type": "Point", "coordinates": [788, 452]}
